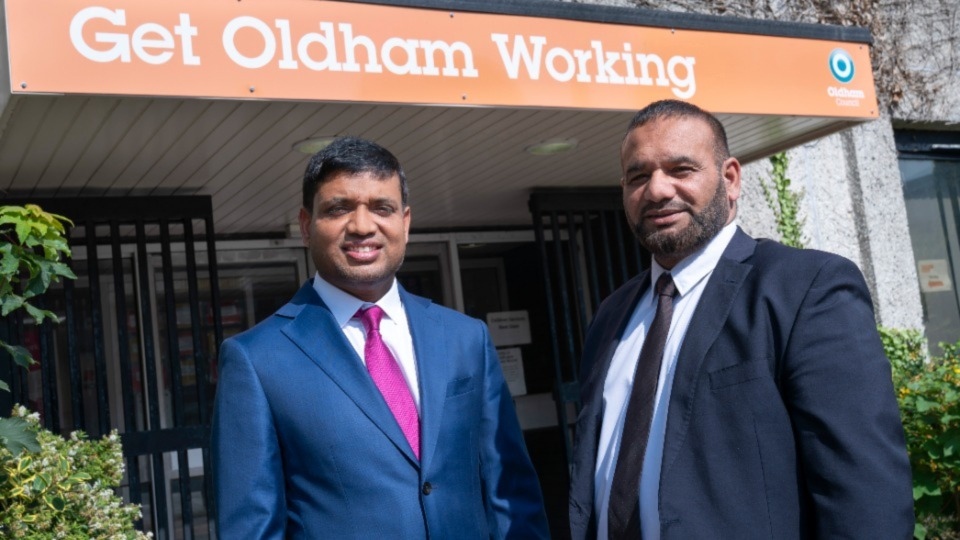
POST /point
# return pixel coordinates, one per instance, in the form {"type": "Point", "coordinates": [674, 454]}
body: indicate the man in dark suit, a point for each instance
{"type": "Point", "coordinates": [359, 410]}
{"type": "Point", "coordinates": [749, 397]}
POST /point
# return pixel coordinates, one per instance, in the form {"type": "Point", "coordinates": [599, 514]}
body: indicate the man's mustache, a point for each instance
{"type": "Point", "coordinates": [669, 206]}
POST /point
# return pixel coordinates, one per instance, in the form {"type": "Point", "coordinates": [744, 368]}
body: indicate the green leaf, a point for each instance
{"type": "Point", "coordinates": [40, 482]}
{"type": "Point", "coordinates": [81, 477]}
{"type": "Point", "coordinates": [61, 269]}
{"type": "Point", "coordinates": [951, 442]}
{"type": "Point", "coordinates": [40, 315]}
{"type": "Point", "coordinates": [919, 531]}
{"type": "Point", "coordinates": [924, 405]}
{"type": "Point", "coordinates": [39, 283]}
{"type": "Point", "coordinates": [17, 435]}
{"type": "Point", "coordinates": [924, 491]}
{"type": "Point", "coordinates": [10, 303]}
{"type": "Point", "coordinates": [9, 264]}
{"type": "Point", "coordinates": [23, 231]}
{"type": "Point", "coordinates": [20, 355]}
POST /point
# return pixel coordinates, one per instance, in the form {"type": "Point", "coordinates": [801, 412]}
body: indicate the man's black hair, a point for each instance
{"type": "Point", "coordinates": [352, 155]}
{"type": "Point", "coordinates": [673, 108]}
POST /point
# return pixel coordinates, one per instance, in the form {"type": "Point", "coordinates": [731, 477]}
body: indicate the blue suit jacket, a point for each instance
{"type": "Point", "coordinates": [304, 446]}
{"type": "Point", "coordinates": [782, 422]}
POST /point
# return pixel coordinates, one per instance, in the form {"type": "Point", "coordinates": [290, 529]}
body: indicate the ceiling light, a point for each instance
{"type": "Point", "coordinates": [551, 147]}
{"type": "Point", "coordinates": [313, 145]}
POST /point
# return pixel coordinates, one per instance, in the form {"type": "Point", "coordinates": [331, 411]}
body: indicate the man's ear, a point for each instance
{"type": "Point", "coordinates": [730, 172]}
{"type": "Point", "coordinates": [306, 220]}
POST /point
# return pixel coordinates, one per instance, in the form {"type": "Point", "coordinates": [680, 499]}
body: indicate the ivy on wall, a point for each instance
{"type": "Point", "coordinates": [784, 202]}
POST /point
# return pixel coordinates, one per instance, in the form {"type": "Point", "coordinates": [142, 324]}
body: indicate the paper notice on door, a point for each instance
{"type": "Point", "coordinates": [934, 275]}
{"type": "Point", "coordinates": [509, 327]}
{"type": "Point", "coordinates": [511, 362]}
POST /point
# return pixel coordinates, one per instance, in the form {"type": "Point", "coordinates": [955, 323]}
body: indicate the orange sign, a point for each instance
{"type": "Point", "coordinates": [338, 51]}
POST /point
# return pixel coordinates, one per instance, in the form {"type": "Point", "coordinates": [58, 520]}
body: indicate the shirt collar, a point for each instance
{"type": "Point", "coordinates": [691, 270]}
{"type": "Point", "coordinates": [344, 305]}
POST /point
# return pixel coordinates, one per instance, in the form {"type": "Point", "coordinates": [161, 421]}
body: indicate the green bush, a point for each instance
{"type": "Point", "coordinates": [32, 248]}
{"type": "Point", "coordinates": [928, 392]}
{"type": "Point", "coordinates": [66, 490]}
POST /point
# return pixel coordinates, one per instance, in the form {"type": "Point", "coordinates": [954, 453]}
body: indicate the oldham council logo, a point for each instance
{"type": "Point", "coordinates": [841, 65]}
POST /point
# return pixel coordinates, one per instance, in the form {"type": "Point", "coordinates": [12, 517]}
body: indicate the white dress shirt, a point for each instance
{"type": "Point", "coordinates": [690, 277]}
{"type": "Point", "coordinates": [393, 327]}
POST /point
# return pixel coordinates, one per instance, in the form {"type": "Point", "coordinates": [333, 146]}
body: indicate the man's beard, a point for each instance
{"type": "Point", "coordinates": [702, 228]}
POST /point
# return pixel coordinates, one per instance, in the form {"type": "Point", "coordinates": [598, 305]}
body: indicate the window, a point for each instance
{"type": "Point", "coordinates": [930, 171]}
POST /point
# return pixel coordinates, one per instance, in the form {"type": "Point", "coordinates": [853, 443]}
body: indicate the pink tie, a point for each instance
{"type": "Point", "coordinates": [386, 374]}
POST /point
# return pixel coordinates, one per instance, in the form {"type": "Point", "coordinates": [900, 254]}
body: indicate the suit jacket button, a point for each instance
{"type": "Point", "coordinates": [427, 488]}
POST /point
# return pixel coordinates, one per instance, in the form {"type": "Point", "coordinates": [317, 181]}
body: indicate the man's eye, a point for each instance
{"type": "Point", "coordinates": [336, 211]}
{"type": "Point", "coordinates": [384, 210]}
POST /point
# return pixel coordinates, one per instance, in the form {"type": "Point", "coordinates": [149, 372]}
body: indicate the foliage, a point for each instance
{"type": "Point", "coordinates": [928, 392]}
{"type": "Point", "coordinates": [32, 244]}
{"type": "Point", "coordinates": [66, 490]}
{"type": "Point", "coordinates": [786, 203]}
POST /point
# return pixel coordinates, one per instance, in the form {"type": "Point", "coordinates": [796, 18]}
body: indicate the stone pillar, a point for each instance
{"type": "Point", "coordinates": [852, 205]}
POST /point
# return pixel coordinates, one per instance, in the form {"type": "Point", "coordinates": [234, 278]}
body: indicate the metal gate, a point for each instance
{"type": "Point", "coordinates": [135, 349]}
{"type": "Point", "coordinates": [586, 251]}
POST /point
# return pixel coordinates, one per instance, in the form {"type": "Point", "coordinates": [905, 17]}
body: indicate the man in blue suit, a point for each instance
{"type": "Point", "coordinates": [768, 409]}
{"type": "Point", "coordinates": [359, 410]}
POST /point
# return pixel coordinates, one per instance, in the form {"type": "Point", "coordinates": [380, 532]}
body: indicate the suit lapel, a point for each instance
{"type": "Point", "coordinates": [315, 331]}
{"type": "Point", "coordinates": [622, 306]}
{"type": "Point", "coordinates": [705, 325]}
{"type": "Point", "coordinates": [429, 345]}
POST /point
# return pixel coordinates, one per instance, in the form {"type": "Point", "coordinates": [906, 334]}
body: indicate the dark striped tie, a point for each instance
{"type": "Point", "coordinates": [623, 516]}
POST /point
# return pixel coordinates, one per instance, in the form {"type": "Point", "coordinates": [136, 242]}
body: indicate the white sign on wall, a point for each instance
{"type": "Point", "coordinates": [509, 327]}
{"type": "Point", "coordinates": [511, 362]}
{"type": "Point", "coordinates": [934, 275]}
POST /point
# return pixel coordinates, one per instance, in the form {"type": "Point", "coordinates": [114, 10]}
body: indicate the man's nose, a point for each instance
{"type": "Point", "coordinates": [362, 222]}
{"type": "Point", "coordinates": [659, 187]}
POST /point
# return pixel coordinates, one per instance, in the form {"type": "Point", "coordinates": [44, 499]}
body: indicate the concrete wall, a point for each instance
{"type": "Point", "coordinates": [926, 61]}
{"type": "Point", "coordinates": [852, 205]}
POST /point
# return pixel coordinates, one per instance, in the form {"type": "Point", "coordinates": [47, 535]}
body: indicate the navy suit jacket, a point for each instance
{"type": "Point", "coordinates": [304, 446]}
{"type": "Point", "coordinates": [782, 423]}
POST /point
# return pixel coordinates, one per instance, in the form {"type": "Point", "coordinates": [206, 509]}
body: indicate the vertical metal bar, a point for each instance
{"type": "Point", "coordinates": [618, 235]}
{"type": "Point", "coordinates": [577, 278]}
{"type": "Point", "coordinates": [199, 356]}
{"type": "Point", "coordinates": [173, 356]}
{"type": "Point", "coordinates": [591, 256]}
{"type": "Point", "coordinates": [150, 372]}
{"type": "Point", "coordinates": [172, 334]}
{"type": "Point", "coordinates": [635, 251]}
{"type": "Point", "coordinates": [7, 367]}
{"type": "Point", "coordinates": [96, 319]}
{"type": "Point", "coordinates": [126, 376]}
{"type": "Point", "coordinates": [73, 356]}
{"type": "Point", "coordinates": [218, 339]}
{"type": "Point", "coordinates": [566, 390]}
{"type": "Point", "coordinates": [562, 285]}
{"type": "Point", "coordinates": [21, 391]}
{"type": "Point", "coordinates": [554, 337]}
{"type": "Point", "coordinates": [214, 280]}
{"type": "Point", "coordinates": [605, 244]}
{"type": "Point", "coordinates": [48, 371]}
